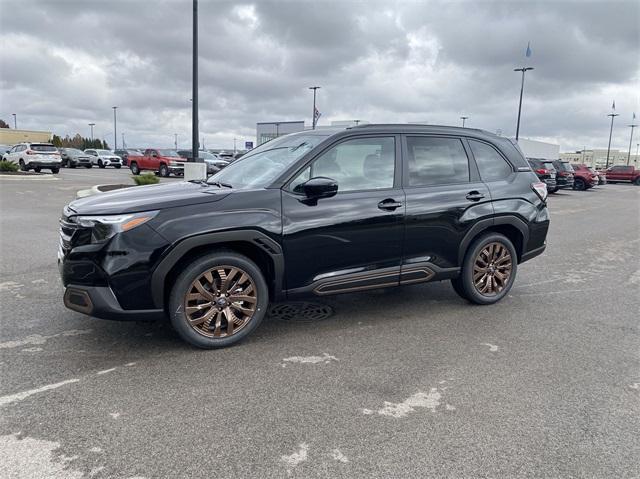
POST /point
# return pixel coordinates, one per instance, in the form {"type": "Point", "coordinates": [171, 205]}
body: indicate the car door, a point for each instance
{"type": "Point", "coordinates": [445, 197]}
{"type": "Point", "coordinates": [353, 240]}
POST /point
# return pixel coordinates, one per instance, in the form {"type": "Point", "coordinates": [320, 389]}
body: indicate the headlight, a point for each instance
{"type": "Point", "coordinates": [106, 226]}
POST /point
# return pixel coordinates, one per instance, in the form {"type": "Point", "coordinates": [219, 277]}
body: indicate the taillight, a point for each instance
{"type": "Point", "coordinates": [542, 171]}
{"type": "Point", "coordinates": [540, 189]}
{"type": "Point", "coordinates": [562, 173]}
{"type": "Point", "coordinates": [31, 152]}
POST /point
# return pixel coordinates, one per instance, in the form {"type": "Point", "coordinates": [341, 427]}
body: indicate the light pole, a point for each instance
{"type": "Point", "coordinates": [123, 144]}
{"type": "Point", "coordinates": [234, 145]}
{"type": "Point", "coordinates": [15, 122]}
{"type": "Point", "coordinates": [357, 122]}
{"type": "Point", "coordinates": [195, 146]}
{"type": "Point", "coordinates": [115, 130]}
{"type": "Point", "coordinates": [92, 125]}
{"type": "Point", "coordinates": [612, 115]}
{"type": "Point", "coordinates": [464, 118]}
{"type": "Point", "coordinates": [313, 114]}
{"type": "Point", "coordinates": [175, 140]}
{"type": "Point", "coordinates": [277, 128]}
{"type": "Point", "coordinates": [632, 126]}
{"type": "Point", "coordinates": [636, 158]}
{"type": "Point", "coordinates": [523, 70]}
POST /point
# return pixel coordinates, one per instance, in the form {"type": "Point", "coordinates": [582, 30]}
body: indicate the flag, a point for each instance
{"type": "Point", "coordinates": [613, 105]}
{"type": "Point", "coordinates": [316, 115]}
{"type": "Point", "coordinates": [528, 52]}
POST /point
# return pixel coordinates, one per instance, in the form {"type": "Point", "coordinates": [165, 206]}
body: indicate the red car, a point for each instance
{"type": "Point", "coordinates": [627, 174]}
{"type": "Point", "coordinates": [584, 177]}
{"type": "Point", "coordinates": [162, 161]}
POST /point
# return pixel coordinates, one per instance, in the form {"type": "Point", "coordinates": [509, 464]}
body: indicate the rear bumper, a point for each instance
{"type": "Point", "coordinates": [44, 164]}
{"type": "Point", "coordinates": [533, 253]}
{"type": "Point", "coordinates": [100, 302]}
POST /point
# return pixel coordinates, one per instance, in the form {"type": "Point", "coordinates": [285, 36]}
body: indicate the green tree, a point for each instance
{"type": "Point", "coordinates": [56, 141]}
{"type": "Point", "coordinates": [4, 124]}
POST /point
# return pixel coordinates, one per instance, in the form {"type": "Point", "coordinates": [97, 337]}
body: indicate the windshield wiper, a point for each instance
{"type": "Point", "coordinates": [220, 184]}
{"type": "Point", "coordinates": [199, 182]}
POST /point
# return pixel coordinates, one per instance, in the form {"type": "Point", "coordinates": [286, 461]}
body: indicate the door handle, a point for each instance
{"type": "Point", "coordinates": [389, 204]}
{"type": "Point", "coordinates": [474, 196]}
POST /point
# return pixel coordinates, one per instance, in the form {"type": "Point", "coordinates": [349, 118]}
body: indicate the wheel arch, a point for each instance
{"type": "Point", "coordinates": [256, 246]}
{"type": "Point", "coordinates": [512, 227]}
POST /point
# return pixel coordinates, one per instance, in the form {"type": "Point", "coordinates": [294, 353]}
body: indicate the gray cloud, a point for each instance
{"type": "Point", "coordinates": [64, 63]}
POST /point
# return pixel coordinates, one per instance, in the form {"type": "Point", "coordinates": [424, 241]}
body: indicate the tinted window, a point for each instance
{"type": "Point", "coordinates": [360, 164]}
{"type": "Point", "coordinates": [436, 161]}
{"type": "Point", "coordinates": [491, 165]}
{"type": "Point", "coordinates": [36, 147]}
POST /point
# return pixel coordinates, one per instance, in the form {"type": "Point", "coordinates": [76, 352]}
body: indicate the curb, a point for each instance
{"type": "Point", "coordinates": [29, 177]}
{"type": "Point", "coordinates": [94, 190]}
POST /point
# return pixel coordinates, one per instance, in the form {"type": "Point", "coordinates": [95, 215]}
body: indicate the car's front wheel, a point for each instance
{"type": "Point", "coordinates": [55, 171]}
{"type": "Point", "coordinates": [101, 164]}
{"type": "Point", "coordinates": [117, 167]}
{"type": "Point", "coordinates": [134, 168]}
{"type": "Point", "coordinates": [164, 170]}
{"type": "Point", "coordinates": [218, 300]}
{"type": "Point", "coordinates": [579, 185]}
{"type": "Point", "coordinates": [488, 270]}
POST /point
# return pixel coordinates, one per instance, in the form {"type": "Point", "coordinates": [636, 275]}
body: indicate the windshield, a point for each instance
{"type": "Point", "coordinates": [74, 151]}
{"type": "Point", "coordinates": [173, 153]}
{"type": "Point", "coordinates": [104, 152]}
{"type": "Point", "coordinates": [206, 155]}
{"type": "Point", "coordinates": [265, 163]}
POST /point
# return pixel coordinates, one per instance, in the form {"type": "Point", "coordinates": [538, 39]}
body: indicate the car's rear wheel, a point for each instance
{"type": "Point", "coordinates": [488, 271]}
{"type": "Point", "coordinates": [37, 169]}
{"type": "Point", "coordinates": [579, 185]}
{"type": "Point", "coordinates": [637, 181]}
{"type": "Point", "coordinates": [72, 165]}
{"type": "Point", "coordinates": [164, 170]}
{"type": "Point", "coordinates": [134, 168]}
{"type": "Point", "coordinates": [23, 167]}
{"type": "Point", "coordinates": [88, 166]}
{"type": "Point", "coordinates": [55, 171]}
{"type": "Point", "coordinates": [218, 300]}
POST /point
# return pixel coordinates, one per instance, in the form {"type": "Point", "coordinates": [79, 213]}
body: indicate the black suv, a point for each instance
{"type": "Point", "coordinates": [317, 212]}
{"type": "Point", "coordinates": [546, 173]}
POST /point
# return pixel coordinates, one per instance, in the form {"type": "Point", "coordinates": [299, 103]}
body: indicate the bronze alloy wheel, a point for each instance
{"type": "Point", "coordinates": [492, 269]}
{"type": "Point", "coordinates": [221, 301]}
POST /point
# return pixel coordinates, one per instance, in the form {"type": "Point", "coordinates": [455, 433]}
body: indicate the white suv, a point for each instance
{"type": "Point", "coordinates": [104, 158]}
{"type": "Point", "coordinates": [35, 156]}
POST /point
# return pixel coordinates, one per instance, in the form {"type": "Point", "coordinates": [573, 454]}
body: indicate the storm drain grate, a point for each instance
{"type": "Point", "coordinates": [301, 311]}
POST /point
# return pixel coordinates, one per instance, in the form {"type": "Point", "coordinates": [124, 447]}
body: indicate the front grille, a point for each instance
{"type": "Point", "coordinates": [72, 234]}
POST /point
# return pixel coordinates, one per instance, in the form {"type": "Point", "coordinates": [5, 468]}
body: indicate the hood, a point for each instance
{"type": "Point", "coordinates": [147, 198]}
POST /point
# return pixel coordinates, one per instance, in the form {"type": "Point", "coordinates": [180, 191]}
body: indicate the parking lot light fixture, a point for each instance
{"type": "Point", "coordinates": [15, 122]}
{"type": "Point", "coordinates": [632, 126]}
{"type": "Point", "coordinates": [92, 125]}
{"type": "Point", "coordinates": [464, 119]}
{"type": "Point", "coordinates": [195, 135]}
{"type": "Point", "coordinates": [523, 70]}
{"type": "Point", "coordinates": [313, 112]}
{"type": "Point", "coordinates": [612, 115]}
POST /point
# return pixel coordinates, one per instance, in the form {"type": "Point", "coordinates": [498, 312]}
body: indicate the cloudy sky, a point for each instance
{"type": "Point", "coordinates": [65, 63]}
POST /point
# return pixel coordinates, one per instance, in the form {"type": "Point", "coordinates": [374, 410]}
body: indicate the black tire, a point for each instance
{"type": "Point", "coordinates": [64, 164]}
{"type": "Point", "coordinates": [23, 167]}
{"type": "Point", "coordinates": [464, 285]}
{"type": "Point", "coordinates": [579, 185]}
{"type": "Point", "coordinates": [100, 164]}
{"type": "Point", "coordinates": [72, 165]}
{"type": "Point", "coordinates": [134, 168]}
{"type": "Point", "coordinates": [554, 190]}
{"type": "Point", "coordinates": [37, 169]}
{"type": "Point", "coordinates": [637, 181]}
{"type": "Point", "coordinates": [117, 167]}
{"type": "Point", "coordinates": [55, 171]}
{"type": "Point", "coordinates": [164, 170]}
{"type": "Point", "coordinates": [192, 272]}
{"type": "Point", "coordinates": [88, 166]}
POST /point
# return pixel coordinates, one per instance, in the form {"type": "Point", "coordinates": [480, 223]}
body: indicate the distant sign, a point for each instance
{"type": "Point", "coordinates": [248, 145]}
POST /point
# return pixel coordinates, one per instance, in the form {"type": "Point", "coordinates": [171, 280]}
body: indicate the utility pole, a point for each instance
{"type": "Point", "coordinates": [277, 128]}
{"type": "Point", "coordinates": [523, 70]}
{"type": "Point", "coordinates": [612, 115]}
{"type": "Point", "coordinates": [234, 145]}
{"type": "Point", "coordinates": [632, 126]}
{"type": "Point", "coordinates": [464, 118]}
{"type": "Point", "coordinates": [15, 122]}
{"type": "Point", "coordinates": [313, 114]}
{"type": "Point", "coordinates": [123, 143]}
{"type": "Point", "coordinates": [194, 95]}
{"type": "Point", "coordinates": [92, 125]}
{"type": "Point", "coordinates": [175, 140]}
{"type": "Point", "coordinates": [357, 122]}
{"type": "Point", "coordinates": [115, 134]}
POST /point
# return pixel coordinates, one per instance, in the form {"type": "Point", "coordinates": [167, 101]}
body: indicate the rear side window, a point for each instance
{"type": "Point", "coordinates": [436, 161]}
{"type": "Point", "coordinates": [490, 163]}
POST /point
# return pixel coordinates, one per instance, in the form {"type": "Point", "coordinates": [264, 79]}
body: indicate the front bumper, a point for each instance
{"type": "Point", "coordinates": [100, 302]}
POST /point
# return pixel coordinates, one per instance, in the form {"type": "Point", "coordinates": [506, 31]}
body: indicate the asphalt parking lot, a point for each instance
{"type": "Point", "coordinates": [410, 382]}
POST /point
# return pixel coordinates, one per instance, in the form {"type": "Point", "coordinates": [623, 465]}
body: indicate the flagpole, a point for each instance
{"type": "Point", "coordinates": [612, 115]}
{"type": "Point", "coordinates": [313, 113]}
{"type": "Point", "coordinates": [632, 126]}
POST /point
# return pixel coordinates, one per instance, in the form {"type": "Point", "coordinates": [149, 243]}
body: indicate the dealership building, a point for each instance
{"type": "Point", "coordinates": [10, 136]}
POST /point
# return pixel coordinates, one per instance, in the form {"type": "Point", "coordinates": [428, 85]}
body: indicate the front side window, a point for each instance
{"type": "Point", "coordinates": [358, 164]}
{"type": "Point", "coordinates": [490, 163]}
{"type": "Point", "coordinates": [436, 161]}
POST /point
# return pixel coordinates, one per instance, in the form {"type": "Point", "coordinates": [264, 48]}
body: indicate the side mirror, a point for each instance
{"type": "Point", "coordinates": [318, 187]}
